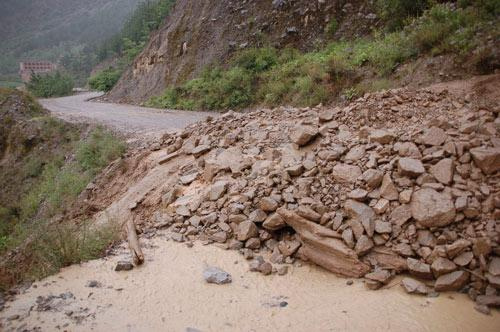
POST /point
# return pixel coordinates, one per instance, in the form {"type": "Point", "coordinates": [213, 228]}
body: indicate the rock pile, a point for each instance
{"type": "Point", "coordinates": [396, 181]}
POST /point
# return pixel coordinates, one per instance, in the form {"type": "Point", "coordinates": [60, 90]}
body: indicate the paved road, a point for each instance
{"type": "Point", "coordinates": [128, 119]}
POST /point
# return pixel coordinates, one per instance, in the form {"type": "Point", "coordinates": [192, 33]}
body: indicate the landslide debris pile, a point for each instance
{"type": "Point", "coordinates": [396, 181]}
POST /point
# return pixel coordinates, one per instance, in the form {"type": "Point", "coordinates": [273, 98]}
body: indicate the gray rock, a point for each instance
{"type": "Point", "coordinates": [214, 275]}
{"type": "Point", "coordinates": [124, 266]}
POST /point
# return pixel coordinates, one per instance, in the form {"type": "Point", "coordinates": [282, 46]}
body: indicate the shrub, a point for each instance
{"type": "Point", "coordinates": [396, 12]}
{"type": "Point", "coordinates": [332, 27]}
{"type": "Point", "coordinates": [105, 80]}
{"type": "Point", "coordinates": [50, 85]}
{"type": "Point", "coordinates": [257, 59]}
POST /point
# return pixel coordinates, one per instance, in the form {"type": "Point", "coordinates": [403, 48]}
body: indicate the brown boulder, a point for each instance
{"type": "Point", "coordinates": [410, 167]}
{"type": "Point", "coordinates": [274, 222]}
{"type": "Point", "coordinates": [443, 171]}
{"type": "Point", "coordinates": [247, 230]}
{"type": "Point", "coordinates": [301, 135]}
{"type": "Point", "coordinates": [434, 136]}
{"type": "Point", "coordinates": [487, 159]}
{"type": "Point", "coordinates": [346, 173]}
{"type": "Point", "coordinates": [413, 286]}
{"type": "Point", "coordinates": [419, 269]}
{"type": "Point", "coordinates": [453, 281]}
{"type": "Point", "coordinates": [432, 209]}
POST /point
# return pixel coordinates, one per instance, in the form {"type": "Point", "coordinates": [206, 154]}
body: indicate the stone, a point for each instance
{"type": "Point", "coordinates": [419, 269]}
{"type": "Point", "coordinates": [481, 246]}
{"type": "Point", "coordinates": [410, 167]}
{"type": "Point", "coordinates": [301, 135]}
{"type": "Point", "coordinates": [432, 209]}
{"type": "Point", "coordinates": [434, 136]}
{"type": "Point", "coordinates": [364, 245]}
{"type": "Point", "coordinates": [453, 281]}
{"type": "Point", "coordinates": [267, 204]}
{"type": "Point", "coordinates": [426, 238]}
{"type": "Point", "coordinates": [381, 136]}
{"type": "Point", "coordinates": [382, 276]}
{"type": "Point", "coordinates": [358, 194]}
{"type": "Point", "coordinates": [464, 258]}
{"type": "Point", "coordinates": [388, 190]}
{"type": "Point", "coordinates": [257, 216]}
{"type": "Point", "coordinates": [274, 222]}
{"type": "Point", "coordinates": [383, 227]}
{"type": "Point", "coordinates": [282, 270]}
{"type": "Point", "coordinates": [246, 230]}
{"type": "Point", "coordinates": [124, 266]}
{"type": "Point", "coordinates": [356, 153]}
{"type": "Point", "coordinates": [443, 171]}
{"type": "Point", "coordinates": [200, 150]}
{"type": "Point", "coordinates": [487, 159]}
{"type": "Point", "coordinates": [373, 178]}
{"type": "Point", "coordinates": [452, 250]}
{"type": "Point", "coordinates": [381, 206]}
{"type": "Point", "coordinates": [177, 237]}
{"type": "Point", "coordinates": [219, 237]}
{"type": "Point", "coordinates": [400, 215]}
{"type": "Point", "coordinates": [266, 268]}
{"type": "Point", "coordinates": [214, 275]}
{"type": "Point", "coordinates": [442, 266]}
{"type": "Point", "coordinates": [494, 266]}
{"type": "Point", "coordinates": [295, 170]}
{"type": "Point", "coordinates": [253, 243]}
{"type": "Point", "coordinates": [183, 210]}
{"type": "Point", "coordinates": [187, 179]}
{"type": "Point", "coordinates": [413, 286]}
{"type": "Point", "coordinates": [345, 173]}
{"type": "Point", "coordinates": [363, 213]}
{"type": "Point", "coordinates": [217, 190]}
{"type": "Point", "coordinates": [308, 213]}
{"type": "Point", "coordinates": [405, 196]}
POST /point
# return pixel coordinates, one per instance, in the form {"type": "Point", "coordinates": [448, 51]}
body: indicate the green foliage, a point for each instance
{"type": "Point", "coordinates": [332, 27]}
{"type": "Point", "coordinates": [397, 12]}
{"type": "Point", "coordinates": [50, 85]}
{"type": "Point", "coordinates": [105, 79]}
{"type": "Point", "coordinates": [257, 59]}
{"type": "Point", "coordinates": [98, 150]}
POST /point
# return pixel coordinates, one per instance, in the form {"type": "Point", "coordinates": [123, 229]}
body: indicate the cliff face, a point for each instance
{"type": "Point", "coordinates": [198, 33]}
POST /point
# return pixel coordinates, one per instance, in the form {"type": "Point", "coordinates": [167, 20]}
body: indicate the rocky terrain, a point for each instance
{"type": "Point", "coordinates": [398, 181]}
{"type": "Point", "coordinates": [199, 33]}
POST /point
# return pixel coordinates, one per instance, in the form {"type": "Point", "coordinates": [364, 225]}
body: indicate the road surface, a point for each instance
{"type": "Point", "coordinates": [127, 119]}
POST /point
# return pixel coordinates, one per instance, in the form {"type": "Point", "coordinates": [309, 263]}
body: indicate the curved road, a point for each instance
{"type": "Point", "coordinates": [127, 119]}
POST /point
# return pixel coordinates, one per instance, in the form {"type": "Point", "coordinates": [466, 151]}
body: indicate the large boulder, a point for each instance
{"type": "Point", "coordinates": [432, 209]}
{"type": "Point", "coordinates": [301, 135]}
{"type": "Point", "coordinates": [487, 159]}
{"type": "Point", "coordinates": [346, 173]}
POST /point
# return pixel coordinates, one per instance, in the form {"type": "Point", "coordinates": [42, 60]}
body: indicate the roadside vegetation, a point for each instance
{"type": "Point", "coordinates": [41, 180]}
{"type": "Point", "coordinates": [272, 77]}
{"type": "Point", "coordinates": [51, 85]}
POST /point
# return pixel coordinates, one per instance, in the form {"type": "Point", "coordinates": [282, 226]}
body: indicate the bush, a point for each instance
{"type": "Point", "coordinates": [332, 27]}
{"type": "Point", "coordinates": [105, 80]}
{"type": "Point", "coordinates": [50, 85]}
{"type": "Point", "coordinates": [396, 12]}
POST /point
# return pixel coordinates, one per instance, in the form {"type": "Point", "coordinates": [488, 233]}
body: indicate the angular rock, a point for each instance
{"type": "Point", "coordinates": [388, 190]}
{"type": "Point", "coordinates": [419, 269]}
{"type": "Point", "coordinates": [434, 136]}
{"type": "Point", "coordinates": [323, 247]}
{"type": "Point", "coordinates": [443, 171]}
{"type": "Point", "coordinates": [442, 266]}
{"type": "Point", "coordinates": [432, 209]}
{"type": "Point", "coordinates": [413, 286]}
{"type": "Point", "coordinates": [382, 136]}
{"type": "Point", "coordinates": [373, 178]}
{"type": "Point", "coordinates": [308, 213]}
{"type": "Point", "coordinates": [363, 213]}
{"type": "Point", "coordinates": [453, 281]}
{"type": "Point", "coordinates": [214, 275]}
{"type": "Point", "coordinates": [487, 159]}
{"type": "Point", "coordinates": [345, 173]}
{"type": "Point", "coordinates": [217, 190]}
{"type": "Point", "coordinates": [382, 276]}
{"type": "Point", "coordinates": [257, 216]}
{"type": "Point", "coordinates": [301, 135]}
{"type": "Point", "coordinates": [267, 204]}
{"type": "Point", "coordinates": [246, 230]}
{"type": "Point", "coordinates": [364, 245]}
{"type": "Point", "coordinates": [124, 266]}
{"type": "Point", "coordinates": [274, 222]}
{"type": "Point", "coordinates": [410, 167]}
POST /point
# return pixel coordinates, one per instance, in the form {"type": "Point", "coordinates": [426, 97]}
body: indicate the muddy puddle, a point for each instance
{"type": "Point", "coordinates": [168, 293]}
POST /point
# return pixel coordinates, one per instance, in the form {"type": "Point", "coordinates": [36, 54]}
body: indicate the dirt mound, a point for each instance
{"type": "Point", "coordinates": [198, 33]}
{"type": "Point", "coordinates": [396, 181]}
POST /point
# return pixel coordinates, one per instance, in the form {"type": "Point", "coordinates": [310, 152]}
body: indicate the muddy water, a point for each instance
{"type": "Point", "coordinates": [169, 294]}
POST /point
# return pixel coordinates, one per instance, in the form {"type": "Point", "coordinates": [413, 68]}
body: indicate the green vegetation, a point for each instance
{"type": "Point", "coordinates": [127, 44]}
{"type": "Point", "coordinates": [41, 179]}
{"type": "Point", "coordinates": [397, 12]}
{"type": "Point", "coordinates": [105, 79]}
{"type": "Point", "coordinates": [51, 85]}
{"type": "Point", "coordinates": [271, 77]}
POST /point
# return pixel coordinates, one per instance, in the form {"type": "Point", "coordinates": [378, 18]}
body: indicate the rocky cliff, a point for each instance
{"type": "Point", "coordinates": [198, 33]}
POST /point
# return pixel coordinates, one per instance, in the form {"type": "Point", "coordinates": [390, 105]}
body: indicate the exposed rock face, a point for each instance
{"type": "Point", "coordinates": [202, 32]}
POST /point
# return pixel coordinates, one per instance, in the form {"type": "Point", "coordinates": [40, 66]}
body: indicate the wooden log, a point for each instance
{"type": "Point", "coordinates": [133, 243]}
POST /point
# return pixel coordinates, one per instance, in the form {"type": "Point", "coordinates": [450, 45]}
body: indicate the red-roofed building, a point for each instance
{"type": "Point", "coordinates": [27, 68]}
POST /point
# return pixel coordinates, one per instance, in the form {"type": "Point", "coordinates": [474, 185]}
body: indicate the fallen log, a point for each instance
{"type": "Point", "coordinates": [133, 243]}
{"type": "Point", "coordinates": [323, 246]}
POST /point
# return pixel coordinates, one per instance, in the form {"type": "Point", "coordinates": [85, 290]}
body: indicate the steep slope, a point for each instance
{"type": "Point", "coordinates": [198, 33]}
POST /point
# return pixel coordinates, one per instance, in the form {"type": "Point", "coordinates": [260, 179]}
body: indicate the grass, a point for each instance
{"type": "Point", "coordinates": [272, 77]}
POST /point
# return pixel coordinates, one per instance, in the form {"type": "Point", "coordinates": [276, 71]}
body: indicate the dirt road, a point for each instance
{"type": "Point", "coordinates": [168, 293]}
{"type": "Point", "coordinates": [128, 119]}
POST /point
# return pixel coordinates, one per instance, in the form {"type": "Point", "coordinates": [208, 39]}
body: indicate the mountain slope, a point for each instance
{"type": "Point", "coordinates": [198, 33]}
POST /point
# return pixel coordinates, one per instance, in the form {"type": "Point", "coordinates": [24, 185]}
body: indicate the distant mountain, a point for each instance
{"type": "Point", "coordinates": [27, 25]}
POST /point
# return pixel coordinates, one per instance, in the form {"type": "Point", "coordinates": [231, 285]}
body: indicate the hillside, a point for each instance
{"type": "Point", "coordinates": [199, 33]}
{"type": "Point", "coordinates": [44, 29]}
